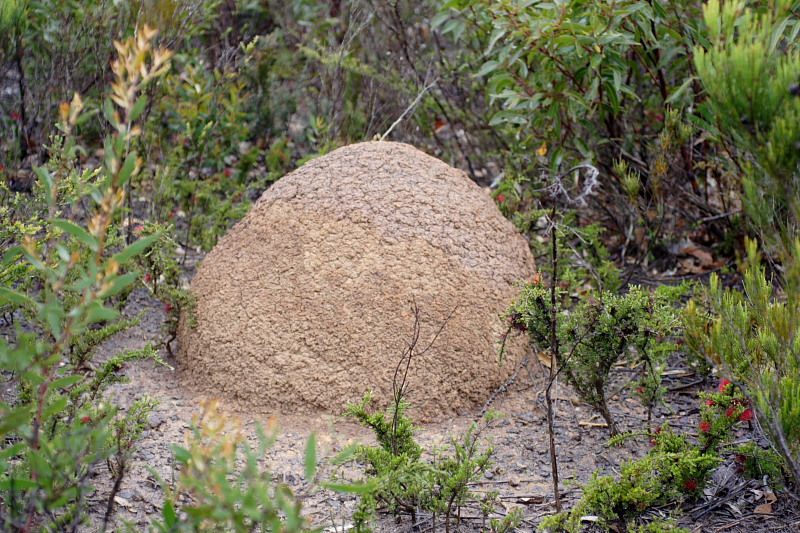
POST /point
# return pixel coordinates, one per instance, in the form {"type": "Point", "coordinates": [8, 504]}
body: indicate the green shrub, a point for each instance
{"type": "Point", "coordinates": [61, 424]}
{"type": "Point", "coordinates": [59, 47]}
{"type": "Point", "coordinates": [583, 82]}
{"type": "Point", "coordinates": [752, 336]}
{"type": "Point", "coordinates": [750, 72]}
{"type": "Point", "coordinates": [221, 486]}
{"type": "Point", "coordinates": [405, 483]}
{"type": "Point", "coordinates": [597, 331]}
{"type": "Point", "coordinates": [673, 470]}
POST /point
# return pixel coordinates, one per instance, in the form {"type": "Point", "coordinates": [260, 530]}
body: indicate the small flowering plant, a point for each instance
{"type": "Point", "coordinates": [722, 411]}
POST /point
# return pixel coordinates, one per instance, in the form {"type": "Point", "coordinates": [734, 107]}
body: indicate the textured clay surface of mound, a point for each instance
{"type": "Point", "coordinates": [307, 303]}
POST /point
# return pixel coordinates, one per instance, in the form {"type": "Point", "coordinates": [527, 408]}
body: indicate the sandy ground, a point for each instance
{"type": "Point", "coordinates": [521, 471]}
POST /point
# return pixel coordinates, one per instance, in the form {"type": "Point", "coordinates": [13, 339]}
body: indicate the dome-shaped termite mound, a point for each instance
{"type": "Point", "coordinates": [307, 303]}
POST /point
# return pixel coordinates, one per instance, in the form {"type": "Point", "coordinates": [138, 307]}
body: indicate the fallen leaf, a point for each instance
{"type": "Point", "coordinates": [542, 151]}
{"type": "Point", "coordinates": [704, 256]}
{"type": "Point", "coordinates": [764, 508]}
{"type": "Point", "coordinates": [545, 359]}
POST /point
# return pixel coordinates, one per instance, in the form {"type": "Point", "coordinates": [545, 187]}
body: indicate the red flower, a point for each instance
{"type": "Point", "coordinates": [536, 278]}
{"type": "Point", "coordinates": [730, 412]}
{"type": "Point", "coordinates": [640, 390]}
{"type": "Point", "coordinates": [171, 215]}
{"type": "Point", "coordinates": [690, 485]}
{"type": "Point", "coordinates": [710, 403]}
{"type": "Point", "coordinates": [86, 419]}
{"type": "Point", "coordinates": [723, 384]}
{"type": "Point", "coordinates": [501, 197]}
{"type": "Point", "coordinates": [228, 172]}
{"type": "Point", "coordinates": [148, 278]}
{"type": "Point", "coordinates": [138, 228]}
{"type": "Point", "coordinates": [705, 426]}
{"type": "Point", "coordinates": [167, 308]}
{"type": "Point", "coordinates": [746, 415]}
{"type": "Point", "coordinates": [16, 116]}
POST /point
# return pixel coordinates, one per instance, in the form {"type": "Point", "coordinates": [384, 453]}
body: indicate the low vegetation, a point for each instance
{"type": "Point", "coordinates": [625, 139]}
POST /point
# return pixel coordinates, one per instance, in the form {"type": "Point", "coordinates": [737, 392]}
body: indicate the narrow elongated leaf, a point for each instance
{"type": "Point", "coordinates": [78, 232]}
{"type": "Point", "coordinates": [10, 296]}
{"type": "Point", "coordinates": [17, 484]}
{"type": "Point", "coordinates": [138, 107]}
{"type": "Point", "coordinates": [349, 489]}
{"type": "Point", "coordinates": [680, 90]}
{"type": "Point", "coordinates": [99, 313]}
{"type": "Point", "coordinates": [311, 457]}
{"type": "Point", "coordinates": [64, 382]}
{"type": "Point", "coordinates": [135, 249]}
{"type": "Point", "coordinates": [119, 283]}
{"type": "Point", "coordinates": [55, 408]}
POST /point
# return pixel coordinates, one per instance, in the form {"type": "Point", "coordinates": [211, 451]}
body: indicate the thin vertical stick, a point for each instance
{"type": "Point", "coordinates": [554, 358]}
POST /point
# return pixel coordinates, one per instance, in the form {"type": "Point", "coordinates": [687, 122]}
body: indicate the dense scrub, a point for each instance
{"type": "Point", "coordinates": [632, 142]}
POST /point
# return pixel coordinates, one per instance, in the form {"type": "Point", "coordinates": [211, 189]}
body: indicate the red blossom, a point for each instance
{"type": "Point", "coordinates": [730, 412]}
{"type": "Point", "coordinates": [16, 116]}
{"type": "Point", "coordinates": [501, 197]}
{"type": "Point", "coordinates": [536, 278]}
{"type": "Point", "coordinates": [746, 415]}
{"type": "Point", "coordinates": [229, 171]}
{"type": "Point", "coordinates": [723, 384]}
{"type": "Point", "coordinates": [710, 403]}
{"type": "Point", "coordinates": [705, 426]}
{"type": "Point", "coordinates": [138, 228]}
{"type": "Point", "coordinates": [167, 308]}
{"type": "Point", "coordinates": [148, 278]}
{"type": "Point", "coordinates": [86, 419]}
{"type": "Point", "coordinates": [690, 485]}
{"type": "Point", "coordinates": [640, 390]}
{"type": "Point", "coordinates": [171, 215]}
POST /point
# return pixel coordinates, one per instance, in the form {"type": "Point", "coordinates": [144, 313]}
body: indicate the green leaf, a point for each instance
{"type": "Point", "coordinates": [13, 450]}
{"type": "Point", "coordinates": [487, 67]}
{"type": "Point", "coordinates": [680, 90]}
{"type": "Point", "coordinates": [64, 382]}
{"type": "Point", "coordinates": [169, 514]}
{"type": "Point", "coordinates": [311, 457]}
{"type": "Point", "coordinates": [78, 232]}
{"type": "Point", "coordinates": [54, 408]}
{"type": "Point", "coordinates": [138, 107]}
{"type": "Point", "coordinates": [11, 255]}
{"type": "Point", "coordinates": [97, 312]}
{"type": "Point", "coordinates": [182, 455]}
{"type": "Point", "coordinates": [10, 296]}
{"type": "Point", "coordinates": [355, 488]}
{"type": "Point", "coordinates": [127, 168]}
{"type": "Point", "coordinates": [17, 484]}
{"type": "Point", "coordinates": [118, 284]}
{"type": "Point", "coordinates": [47, 182]}
{"type": "Point", "coordinates": [134, 249]}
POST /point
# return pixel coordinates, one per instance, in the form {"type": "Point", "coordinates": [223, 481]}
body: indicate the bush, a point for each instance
{"type": "Point", "coordinates": [752, 335]}
{"type": "Point", "coordinates": [55, 48]}
{"type": "Point", "coordinates": [673, 470]}
{"type": "Point", "coordinates": [606, 84]}
{"type": "Point", "coordinates": [223, 485]}
{"type": "Point", "coordinates": [61, 424]}
{"type": "Point", "coordinates": [403, 482]}
{"type": "Point", "coordinates": [596, 332]}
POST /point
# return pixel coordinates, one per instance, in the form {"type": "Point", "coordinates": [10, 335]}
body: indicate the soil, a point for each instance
{"type": "Point", "coordinates": [521, 471]}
